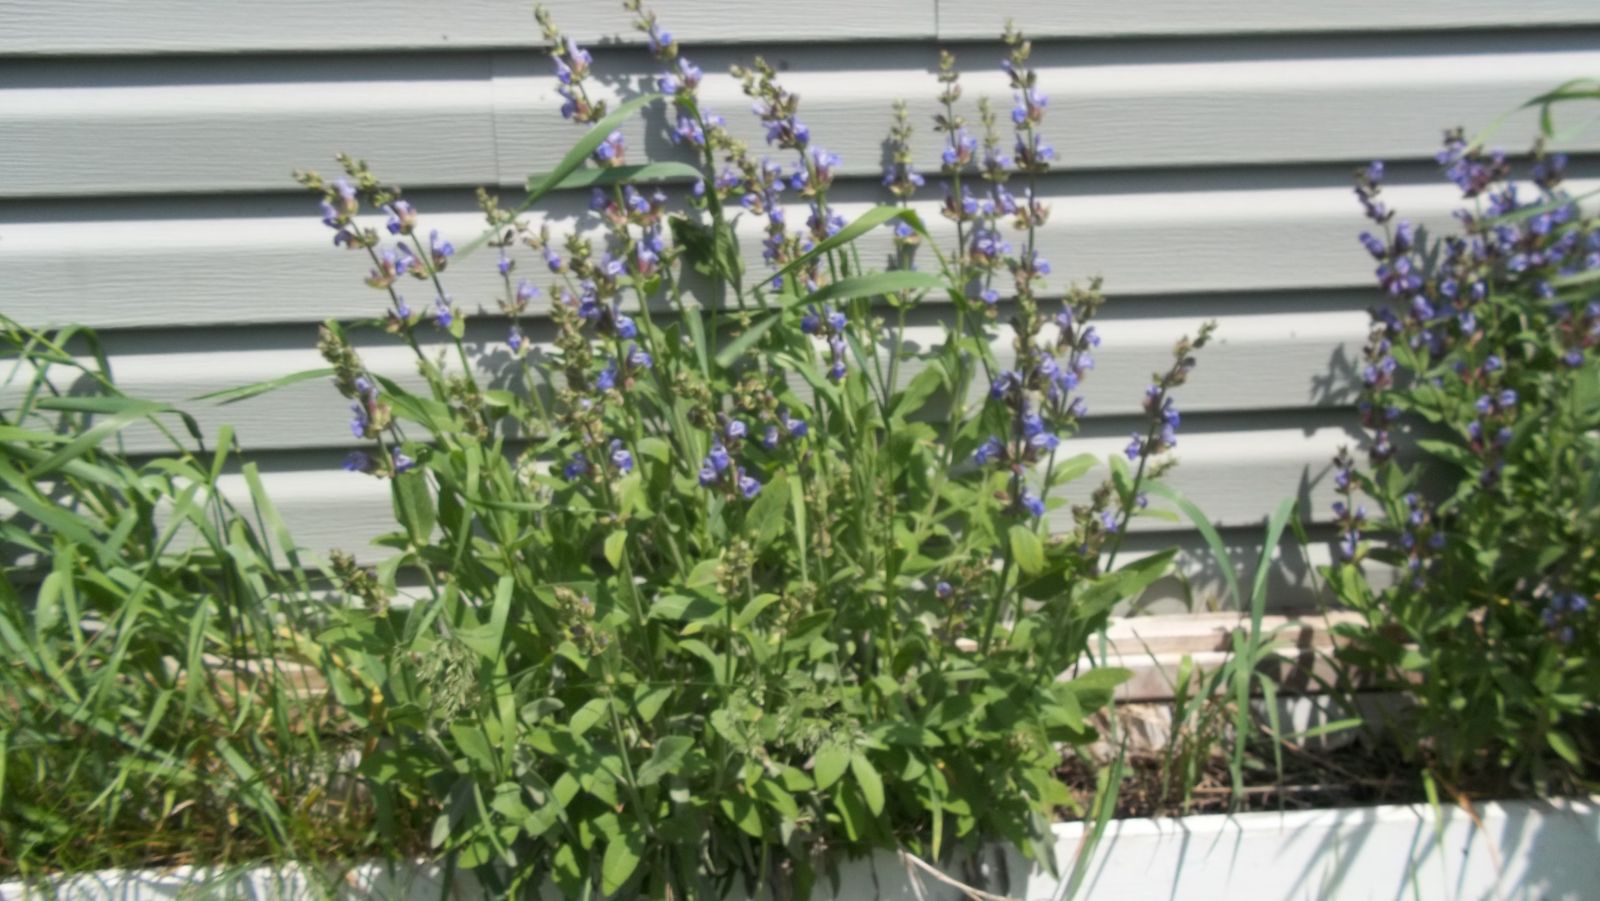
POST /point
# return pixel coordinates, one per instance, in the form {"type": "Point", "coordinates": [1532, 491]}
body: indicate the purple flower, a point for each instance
{"type": "Point", "coordinates": [358, 461]}
{"type": "Point", "coordinates": [611, 150]}
{"type": "Point", "coordinates": [1507, 399]}
{"type": "Point", "coordinates": [736, 430]}
{"type": "Point", "coordinates": [1031, 503]}
{"type": "Point", "coordinates": [402, 463]}
{"type": "Point", "coordinates": [688, 129]}
{"type": "Point", "coordinates": [607, 379]}
{"type": "Point", "coordinates": [402, 218]}
{"type": "Point", "coordinates": [988, 451]}
{"type": "Point", "coordinates": [1134, 448]}
{"type": "Point", "coordinates": [748, 486]}
{"type": "Point", "coordinates": [770, 438]}
{"type": "Point", "coordinates": [621, 459]}
{"type": "Point", "coordinates": [795, 427]}
{"type": "Point", "coordinates": [443, 315]}
{"type": "Point", "coordinates": [441, 249]}
{"type": "Point", "coordinates": [526, 292]}
{"type": "Point", "coordinates": [718, 459]}
{"type": "Point", "coordinates": [1108, 520]}
{"type": "Point", "coordinates": [638, 358]}
{"type": "Point", "coordinates": [1373, 245]}
{"type": "Point", "coordinates": [943, 591]}
{"type": "Point", "coordinates": [577, 466]}
{"type": "Point", "coordinates": [1004, 383]}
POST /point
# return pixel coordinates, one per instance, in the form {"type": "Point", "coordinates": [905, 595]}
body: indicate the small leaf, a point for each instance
{"type": "Point", "coordinates": [871, 783]}
{"type": "Point", "coordinates": [413, 505]}
{"type": "Point", "coordinates": [1027, 550]}
{"type": "Point", "coordinates": [666, 760]}
{"type": "Point", "coordinates": [623, 853]}
{"type": "Point", "coordinates": [614, 175]}
{"type": "Point", "coordinates": [1561, 744]}
{"type": "Point", "coordinates": [746, 340]}
{"type": "Point", "coordinates": [587, 715]}
{"type": "Point", "coordinates": [244, 392]}
{"type": "Point", "coordinates": [831, 762]}
{"type": "Point", "coordinates": [874, 285]}
{"type": "Point", "coordinates": [741, 810]}
{"type": "Point", "coordinates": [616, 543]}
{"type": "Point", "coordinates": [864, 223]}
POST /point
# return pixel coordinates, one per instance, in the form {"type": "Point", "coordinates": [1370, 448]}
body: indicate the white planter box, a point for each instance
{"type": "Point", "coordinates": [1526, 850]}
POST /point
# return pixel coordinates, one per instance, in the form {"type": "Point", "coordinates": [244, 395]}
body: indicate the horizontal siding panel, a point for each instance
{"type": "Point", "coordinates": [222, 26]}
{"type": "Point", "coordinates": [1091, 18]}
{"type": "Point", "coordinates": [1261, 361]}
{"type": "Point", "coordinates": [1236, 477]}
{"type": "Point", "coordinates": [208, 137]}
{"type": "Point", "coordinates": [219, 271]}
{"type": "Point", "coordinates": [225, 26]}
{"type": "Point", "coordinates": [494, 119]}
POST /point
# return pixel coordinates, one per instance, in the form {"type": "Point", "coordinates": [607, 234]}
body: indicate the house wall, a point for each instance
{"type": "Point", "coordinates": [1206, 149]}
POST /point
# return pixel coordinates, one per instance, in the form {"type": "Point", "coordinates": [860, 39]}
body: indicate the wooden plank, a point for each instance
{"type": "Point", "coordinates": [262, 269]}
{"type": "Point", "coordinates": [231, 26]}
{"type": "Point", "coordinates": [1088, 18]}
{"type": "Point", "coordinates": [204, 125]}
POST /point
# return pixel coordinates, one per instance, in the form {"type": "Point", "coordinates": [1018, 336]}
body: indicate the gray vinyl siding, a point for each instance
{"type": "Point", "coordinates": [145, 151]}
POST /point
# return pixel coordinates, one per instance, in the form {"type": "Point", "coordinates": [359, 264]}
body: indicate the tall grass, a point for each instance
{"type": "Point", "coordinates": [144, 715]}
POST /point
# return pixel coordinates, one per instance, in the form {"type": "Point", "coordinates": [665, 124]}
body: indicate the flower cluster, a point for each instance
{"type": "Point", "coordinates": [1478, 357]}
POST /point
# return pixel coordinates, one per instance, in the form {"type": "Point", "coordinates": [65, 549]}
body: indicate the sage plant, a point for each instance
{"type": "Point", "coordinates": [733, 572]}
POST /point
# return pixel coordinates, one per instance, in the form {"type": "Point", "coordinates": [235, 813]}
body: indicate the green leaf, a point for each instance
{"type": "Point", "coordinates": [616, 543]}
{"type": "Point", "coordinates": [1213, 539]}
{"type": "Point", "coordinates": [1127, 582]}
{"type": "Point", "coordinates": [871, 783]}
{"type": "Point", "coordinates": [100, 431]}
{"type": "Point", "coordinates": [623, 853]}
{"type": "Point", "coordinates": [472, 743]}
{"type": "Point", "coordinates": [1027, 550]}
{"type": "Point", "coordinates": [1450, 452]}
{"type": "Point", "coordinates": [831, 762]}
{"type": "Point", "coordinates": [864, 223]}
{"type": "Point", "coordinates": [746, 340]}
{"type": "Point", "coordinates": [922, 386]}
{"type": "Point", "coordinates": [574, 160]}
{"type": "Point", "coordinates": [741, 810]}
{"type": "Point", "coordinates": [768, 515]}
{"type": "Point", "coordinates": [874, 285]}
{"type": "Point", "coordinates": [1070, 470]}
{"type": "Point", "coordinates": [1562, 744]}
{"type": "Point", "coordinates": [244, 392]}
{"type": "Point", "coordinates": [589, 178]}
{"type": "Point", "coordinates": [665, 760]}
{"type": "Point", "coordinates": [753, 609]}
{"type": "Point", "coordinates": [413, 505]}
{"type": "Point", "coordinates": [587, 716]}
